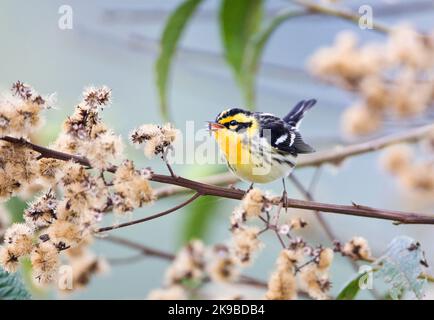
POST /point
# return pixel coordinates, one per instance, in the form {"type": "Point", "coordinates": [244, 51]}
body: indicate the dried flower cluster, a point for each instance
{"type": "Point", "coordinates": [156, 138]}
{"type": "Point", "coordinates": [357, 249]}
{"type": "Point", "coordinates": [20, 113]}
{"type": "Point", "coordinates": [392, 79]}
{"type": "Point", "coordinates": [245, 243]}
{"type": "Point", "coordinates": [85, 266]}
{"type": "Point", "coordinates": [414, 175]}
{"type": "Point", "coordinates": [84, 133]}
{"type": "Point", "coordinates": [219, 263]}
{"type": "Point", "coordinates": [253, 205]}
{"type": "Point", "coordinates": [298, 266]}
{"type": "Point", "coordinates": [282, 284]}
{"type": "Point", "coordinates": [301, 267]}
{"type": "Point", "coordinates": [20, 116]}
{"type": "Point", "coordinates": [196, 264]}
{"type": "Point", "coordinates": [63, 218]}
{"type": "Point", "coordinates": [132, 188]}
{"type": "Point", "coordinates": [244, 237]}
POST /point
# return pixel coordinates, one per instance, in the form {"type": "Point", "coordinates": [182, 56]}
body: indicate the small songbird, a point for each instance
{"type": "Point", "coordinates": [261, 147]}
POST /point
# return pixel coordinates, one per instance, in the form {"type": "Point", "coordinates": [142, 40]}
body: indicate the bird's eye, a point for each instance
{"type": "Point", "coordinates": [233, 123]}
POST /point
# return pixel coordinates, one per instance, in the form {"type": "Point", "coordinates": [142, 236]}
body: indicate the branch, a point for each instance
{"type": "Point", "coordinates": [48, 153]}
{"type": "Point", "coordinates": [320, 158]}
{"type": "Point", "coordinates": [337, 156]}
{"type": "Point", "coordinates": [315, 159]}
{"type": "Point", "coordinates": [339, 13]}
{"type": "Point", "coordinates": [355, 209]}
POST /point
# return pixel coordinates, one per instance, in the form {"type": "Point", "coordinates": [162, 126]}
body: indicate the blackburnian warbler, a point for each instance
{"type": "Point", "coordinates": [261, 147]}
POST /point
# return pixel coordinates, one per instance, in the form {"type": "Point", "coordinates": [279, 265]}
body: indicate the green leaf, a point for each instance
{"type": "Point", "coordinates": [11, 287]}
{"type": "Point", "coordinates": [400, 267]}
{"type": "Point", "coordinates": [16, 207]}
{"type": "Point", "coordinates": [255, 49]}
{"type": "Point", "coordinates": [198, 220]}
{"type": "Point", "coordinates": [201, 213]}
{"type": "Point", "coordinates": [239, 21]}
{"type": "Point", "coordinates": [350, 291]}
{"type": "Point", "coordinates": [172, 32]}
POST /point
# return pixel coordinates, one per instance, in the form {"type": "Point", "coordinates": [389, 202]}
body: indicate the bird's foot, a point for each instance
{"type": "Point", "coordinates": [284, 200]}
{"type": "Point", "coordinates": [233, 187]}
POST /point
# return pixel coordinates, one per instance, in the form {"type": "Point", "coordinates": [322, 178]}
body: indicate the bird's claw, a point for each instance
{"type": "Point", "coordinates": [284, 200]}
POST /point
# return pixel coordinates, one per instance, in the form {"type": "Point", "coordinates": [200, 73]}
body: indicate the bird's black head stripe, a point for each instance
{"type": "Point", "coordinates": [231, 112]}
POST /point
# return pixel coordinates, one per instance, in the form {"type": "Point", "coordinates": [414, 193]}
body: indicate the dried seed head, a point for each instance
{"type": "Point", "coordinates": [253, 203]}
{"type": "Point", "coordinates": [297, 223]}
{"type": "Point", "coordinates": [19, 237]}
{"type": "Point", "coordinates": [325, 258]}
{"type": "Point", "coordinates": [314, 282]}
{"type": "Point", "coordinates": [45, 262]}
{"type": "Point", "coordinates": [222, 266]}
{"type": "Point", "coordinates": [42, 212]}
{"type": "Point", "coordinates": [132, 189]}
{"type": "Point", "coordinates": [245, 244]}
{"type": "Point", "coordinates": [97, 97]}
{"type": "Point", "coordinates": [357, 248]}
{"type": "Point", "coordinates": [282, 286]}
{"type": "Point", "coordinates": [156, 138]}
{"type": "Point", "coordinates": [64, 234]}
{"type": "Point", "coordinates": [397, 158]}
{"type": "Point", "coordinates": [9, 259]}
{"type": "Point", "coordinates": [359, 120]}
{"type": "Point", "coordinates": [189, 264]}
{"type": "Point", "coordinates": [85, 267]}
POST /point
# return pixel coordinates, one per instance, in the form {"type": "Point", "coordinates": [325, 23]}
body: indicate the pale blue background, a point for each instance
{"type": "Point", "coordinates": [118, 50]}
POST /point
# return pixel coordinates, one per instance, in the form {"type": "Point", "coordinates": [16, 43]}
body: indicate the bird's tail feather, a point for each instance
{"type": "Point", "coordinates": [295, 116]}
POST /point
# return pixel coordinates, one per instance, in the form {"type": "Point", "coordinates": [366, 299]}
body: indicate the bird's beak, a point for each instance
{"type": "Point", "coordinates": [214, 126]}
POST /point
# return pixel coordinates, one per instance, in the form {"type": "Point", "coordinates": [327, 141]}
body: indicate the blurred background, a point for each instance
{"type": "Point", "coordinates": [115, 43]}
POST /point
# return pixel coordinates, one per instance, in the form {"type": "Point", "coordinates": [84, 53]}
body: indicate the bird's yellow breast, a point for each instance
{"type": "Point", "coordinates": [236, 145]}
{"type": "Point", "coordinates": [232, 146]}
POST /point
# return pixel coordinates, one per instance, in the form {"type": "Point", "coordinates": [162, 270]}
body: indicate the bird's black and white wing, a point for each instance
{"type": "Point", "coordinates": [283, 137]}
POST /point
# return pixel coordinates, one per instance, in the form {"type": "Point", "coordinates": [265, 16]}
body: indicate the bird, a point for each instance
{"type": "Point", "coordinates": [261, 147]}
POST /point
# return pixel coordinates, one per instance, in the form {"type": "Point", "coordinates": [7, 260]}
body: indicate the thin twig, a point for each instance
{"type": "Point", "coordinates": [169, 167]}
{"type": "Point", "coordinates": [339, 13]}
{"type": "Point", "coordinates": [125, 260]}
{"type": "Point", "coordinates": [314, 180]}
{"type": "Point", "coordinates": [280, 239]}
{"type": "Point", "coordinates": [155, 216]}
{"type": "Point", "coordinates": [308, 196]}
{"type": "Point", "coordinates": [147, 251]}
